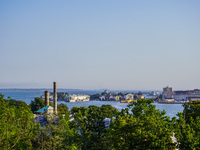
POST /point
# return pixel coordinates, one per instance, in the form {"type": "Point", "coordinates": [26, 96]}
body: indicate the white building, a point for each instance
{"type": "Point", "coordinates": [150, 96]}
{"type": "Point", "coordinates": [129, 96]}
{"type": "Point", "coordinates": [77, 98]}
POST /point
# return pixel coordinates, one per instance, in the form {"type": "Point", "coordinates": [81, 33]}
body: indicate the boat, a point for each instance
{"type": "Point", "coordinates": [126, 101]}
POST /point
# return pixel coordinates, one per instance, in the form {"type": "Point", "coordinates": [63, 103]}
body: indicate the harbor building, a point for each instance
{"type": "Point", "coordinates": [129, 96]}
{"type": "Point", "coordinates": [180, 96]}
{"type": "Point", "coordinates": [110, 97]}
{"type": "Point", "coordinates": [77, 98]}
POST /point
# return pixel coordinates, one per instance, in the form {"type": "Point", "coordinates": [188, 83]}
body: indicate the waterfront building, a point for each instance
{"type": "Point", "coordinates": [168, 94]}
{"type": "Point", "coordinates": [169, 100]}
{"type": "Point", "coordinates": [102, 98]}
{"type": "Point", "coordinates": [129, 96]}
{"type": "Point", "coordinates": [110, 97]}
{"type": "Point", "coordinates": [116, 97]}
{"type": "Point", "coordinates": [140, 96]}
{"type": "Point", "coordinates": [77, 98]}
{"type": "Point", "coordinates": [150, 97]}
{"type": "Point", "coordinates": [180, 96]}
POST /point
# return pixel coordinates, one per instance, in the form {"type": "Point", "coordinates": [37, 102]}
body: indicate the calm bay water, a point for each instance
{"type": "Point", "coordinates": [27, 95]}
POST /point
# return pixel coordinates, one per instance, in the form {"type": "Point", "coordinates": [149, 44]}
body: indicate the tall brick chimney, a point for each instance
{"type": "Point", "coordinates": [55, 97]}
{"type": "Point", "coordinates": [46, 98]}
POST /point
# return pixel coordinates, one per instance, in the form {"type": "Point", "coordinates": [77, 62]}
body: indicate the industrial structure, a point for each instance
{"type": "Point", "coordinates": [49, 109]}
{"type": "Point", "coordinates": [55, 97]}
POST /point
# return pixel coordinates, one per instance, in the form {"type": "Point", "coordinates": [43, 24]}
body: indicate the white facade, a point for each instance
{"type": "Point", "coordinates": [180, 97]}
{"type": "Point", "coordinates": [150, 96]}
{"type": "Point", "coordinates": [129, 96]}
{"type": "Point", "coordinates": [102, 97]}
{"type": "Point", "coordinates": [77, 98]}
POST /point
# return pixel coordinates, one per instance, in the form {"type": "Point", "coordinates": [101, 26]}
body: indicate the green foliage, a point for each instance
{"type": "Point", "coordinates": [60, 135]}
{"type": "Point", "coordinates": [191, 110]}
{"type": "Point", "coordinates": [139, 126]}
{"type": "Point", "coordinates": [135, 97]}
{"type": "Point", "coordinates": [145, 128]}
{"type": "Point", "coordinates": [187, 134]}
{"type": "Point", "coordinates": [91, 126]}
{"type": "Point", "coordinates": [108, 111]}
{"type": "Point", "coordinates": [103, 93]}
{"type": "Point", "coordinates": [38, 103]}
{"type": "Point", "coordinates": [17, 103]}
{"type": "Point", "coordinates": [61, 96]}
{"type": "Point", "coordinates": [16, 128]}
{"type": "Point", "coordinates": [121, 94]}
{"type": "Point", "coordinates": [187, 126]}
{"type": "Point", "coordinates": [94, 96]}
{"type": "Point", "coordinates": [63, 109]}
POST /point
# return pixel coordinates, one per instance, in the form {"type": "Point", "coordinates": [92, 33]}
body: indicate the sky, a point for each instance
{"type": "Point", "coordinates": [105, 44]}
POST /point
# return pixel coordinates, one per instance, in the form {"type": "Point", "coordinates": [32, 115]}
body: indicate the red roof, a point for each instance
{"type": "Point", "coordinates": [168, 92]}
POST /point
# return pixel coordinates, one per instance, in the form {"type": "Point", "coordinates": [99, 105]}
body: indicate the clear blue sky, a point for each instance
{"type": "Point", "coordinates": [114, 44]}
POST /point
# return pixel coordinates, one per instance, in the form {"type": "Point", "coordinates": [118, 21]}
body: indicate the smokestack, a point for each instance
{"type": "Point", "coordinates": [46, 98]}
{"type": "Point", "coordinates": [55, 97]}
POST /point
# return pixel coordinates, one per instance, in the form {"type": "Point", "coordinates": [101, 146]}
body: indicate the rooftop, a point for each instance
{"type": "Point", "coordinates": [44, 109]}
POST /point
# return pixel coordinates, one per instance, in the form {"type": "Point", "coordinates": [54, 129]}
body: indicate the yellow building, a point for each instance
{"type": "Point", "coordinates": [140, 96]}
{"type": "Point", "coordinates": [116, 98]}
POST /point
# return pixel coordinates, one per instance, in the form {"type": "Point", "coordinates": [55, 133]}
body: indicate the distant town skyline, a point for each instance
{"type": "Point", "coordinates": [116, 45]}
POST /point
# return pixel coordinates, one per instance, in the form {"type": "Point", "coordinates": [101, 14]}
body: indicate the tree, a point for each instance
{"type": "Point", "coordinates": [108, 111]}
{"type": "Point", "coordinates": [61, 96]}
{"type": "Point", "coordinates": [94, 96]}
{"type": "Point", "coordinates": [191, 110]}
{"type": "Point", "coordinates": [135, 97]}
{"type": "Point", "coordinates": [90, 124]}
{"type": "Point", "coordinates": [187, 126]}
{"type": "Point", "coordinates": [103, 93]}
{"type": "Point", "coordinates": [63, 109]}
{"type": "Point", "coordinates": [121, 94]}
{"type": "Point", "coordinates": [38, 103]}
{"type": "Point", "coordinates": [16, 127]}
{"type": "Point", "coordinates": [145, 128]}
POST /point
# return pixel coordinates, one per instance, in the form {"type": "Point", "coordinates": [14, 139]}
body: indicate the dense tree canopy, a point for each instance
{"type": "Point", "coordinates": [94, 96]}
{"type": "Point", "coordinates": [144, 128]}
{"type": "Point", "coordinates": [91, 125]}
{"type": "Point", "coordinates": [16, 128]}
{"type": "Point", "coordinates": [139, 126]}
{"type": "Point", "coordinates": [187, 126]}
{"type": "Point", "coordinates": [191, 110]}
